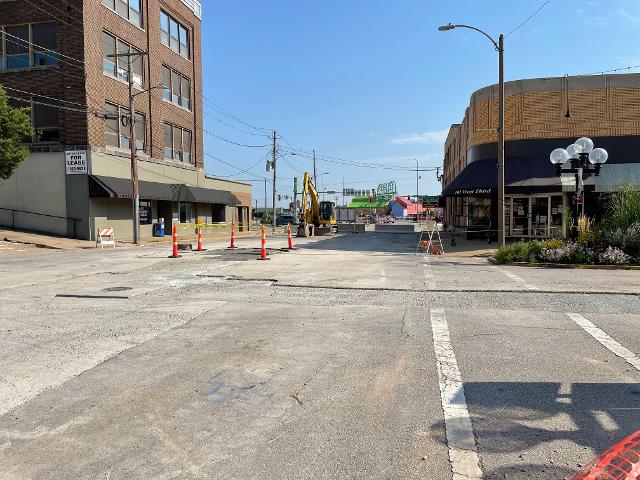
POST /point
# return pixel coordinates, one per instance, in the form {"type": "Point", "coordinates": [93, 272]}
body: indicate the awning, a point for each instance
{"type": "Point", "coordinates": [207, 195]}
{"type": "Point", "coordinates": [614, 176]}
{"type": "Point", "coordinates": [522, 175]}
{"type": "Point", "coordinates": [100, 186]}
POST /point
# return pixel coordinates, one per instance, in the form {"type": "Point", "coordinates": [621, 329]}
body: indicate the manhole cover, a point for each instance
{"type": "Point", "coordinates": [117, 289]}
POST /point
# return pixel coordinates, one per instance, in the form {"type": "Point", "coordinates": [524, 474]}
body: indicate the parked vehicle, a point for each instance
{"type": "Point", "coordinates": [283, 220]}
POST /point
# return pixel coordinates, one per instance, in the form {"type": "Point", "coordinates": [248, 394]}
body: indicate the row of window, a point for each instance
{"type": "Point", "coordinates": [117, 67]}
{"type": "Point", "coordinates": [172, 33]}
{"type": "Point", "coordinates": [177, 143]}
{"type": "Point", "coordinates": [177, 88]}
{"type": "Point", "coordinates": [29, 45]}
{"type": "Point", "coordinates": [129, 9]}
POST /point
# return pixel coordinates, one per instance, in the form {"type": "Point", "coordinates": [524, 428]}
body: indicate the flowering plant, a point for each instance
{"type": "Point", "coordinates": [614, 256]}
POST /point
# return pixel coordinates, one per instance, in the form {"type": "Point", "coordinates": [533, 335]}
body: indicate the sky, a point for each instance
{"type": "Point", "coordinates": [375, 82]}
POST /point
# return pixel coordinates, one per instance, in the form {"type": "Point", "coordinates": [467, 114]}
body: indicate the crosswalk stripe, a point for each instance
{"type": "Point", "coordinates": [602, 337]}
{"type": "Point", "coordinates": [463, 451]}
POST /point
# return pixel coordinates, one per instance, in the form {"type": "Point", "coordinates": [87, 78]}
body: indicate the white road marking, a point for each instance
{"type": "Point", "coordinates": [429, 281]}
{"type": "Point", "coordinates": [516, 278]}
{"type": "Point", "coordinates": [564, 393]}
{"type": "Point", "coordinates": [463, 451]}
{"type": "Point", "coordinates": [606, 421]}
{"type": "Point", "coordinates": [606, 340]}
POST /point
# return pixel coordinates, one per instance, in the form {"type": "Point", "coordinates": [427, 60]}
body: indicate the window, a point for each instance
{"type": "Point", "coordinates": [44, 41]}
{"type": "Point", "coordinates": [174, 35]}
{"type": "Point", "coordinates": [185, 212]}
{"type": "Point", "coordinates": [177, 89]}
{"type": "Point", "coordinates": [29, 45]}
{"type": "Point", "coordinates": [17, 47]}
{"type": "Point", "coordinates": [146, 213]}
{"type": "Point", "coordinates": [128, 9]}
{"type": "Point", "coordinates": [118, 66]}
{"type": "Point", "coordinates": [177, 144]}
{"type": "Point", "coordinates": [45, 119]}
{"type": "Point", "coordinates": [117, 129]}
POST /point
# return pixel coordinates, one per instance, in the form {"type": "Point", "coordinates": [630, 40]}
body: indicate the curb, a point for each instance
{"type": "Point", "coordinates": [565, 265]}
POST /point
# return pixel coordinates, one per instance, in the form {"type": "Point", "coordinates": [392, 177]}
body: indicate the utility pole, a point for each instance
{"type": "Point", "coordinates": [315, 178]}
{"type": "Point", "coordinates": [273, 166]}
{"type": "Point", "coordinates": [135, 196]}
{"type": "Point", "coordinates": [265, 201]}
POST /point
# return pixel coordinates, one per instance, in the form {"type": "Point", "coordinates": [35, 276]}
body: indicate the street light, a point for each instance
{"type": "Point", "coordinates": [499, 46]}
{"type": "Point", "coordinates": [583, 159]}
{"type": "Point", "coordinates": [317, 186]}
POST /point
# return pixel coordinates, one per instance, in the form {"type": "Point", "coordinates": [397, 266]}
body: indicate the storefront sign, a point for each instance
{"type": "Point", "coordinates": [76, 162]}
{"type": "Point", "coordinates": [473, 191]}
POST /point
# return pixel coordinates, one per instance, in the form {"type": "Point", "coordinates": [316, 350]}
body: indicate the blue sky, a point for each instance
{"type": "Point", "coordinates": [374, 81]}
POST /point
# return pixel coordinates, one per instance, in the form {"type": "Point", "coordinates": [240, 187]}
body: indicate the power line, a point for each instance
{"type": "Point", "coordinates": [232, 142]}
{"type": "Point", "coordinates": [22, 42]}
{"type": "Point", "coordinates": [51, 14]}
{"type": "Point", "coordinates": [206, 114]}
{"type": "Point", "coordinates": [544, 4]}
{"type": "Point", "coordinates": [58, 107]}
{"type": "Point", "coordinates": [232, 116]}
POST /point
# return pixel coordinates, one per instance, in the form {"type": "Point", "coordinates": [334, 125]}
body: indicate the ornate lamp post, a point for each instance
{"type": "Point", "coordinates": [583, 160]}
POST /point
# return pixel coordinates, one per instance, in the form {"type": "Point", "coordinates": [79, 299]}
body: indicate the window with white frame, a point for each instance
{"type": "Point", "coordinates": [174, 35]}
{"type": "Point", "coordinates": [128, 9]}
{"type": "Point", "coordinates": [177, 88]}
{"type": "Point", "coordinates": [28, 45]}
{"type": "Point", "coordinates": [117, 66]}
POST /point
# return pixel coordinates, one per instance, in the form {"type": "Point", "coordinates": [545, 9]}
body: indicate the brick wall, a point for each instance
{"type": "Point", "coordinates": [606, 105]}
{"type": "Point", "coordinates": [85, 84]}
{"type": "Point", "coordinates": [64, 81]}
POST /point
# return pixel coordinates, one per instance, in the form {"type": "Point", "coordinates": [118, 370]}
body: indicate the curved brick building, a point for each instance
{"type": "Point", "coordinates": [605, 108]}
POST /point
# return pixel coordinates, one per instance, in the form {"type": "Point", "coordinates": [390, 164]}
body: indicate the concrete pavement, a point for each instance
{"type": "Point", "coordinates": [320, 363]}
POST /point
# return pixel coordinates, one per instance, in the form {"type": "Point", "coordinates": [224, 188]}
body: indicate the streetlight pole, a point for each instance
{"type": "Point", "coordinates": [499, 46]}
{"type": "Point", "coordinates": [273, 166]}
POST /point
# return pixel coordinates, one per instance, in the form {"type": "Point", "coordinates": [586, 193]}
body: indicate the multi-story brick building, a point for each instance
{"type": "Point", "coordinates": [58, 58]}
{"type": "Point", "coordinates": [541, 115]}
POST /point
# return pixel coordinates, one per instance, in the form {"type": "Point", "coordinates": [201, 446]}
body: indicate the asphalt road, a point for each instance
{"type": "Point", "coordinates": [352, 357]}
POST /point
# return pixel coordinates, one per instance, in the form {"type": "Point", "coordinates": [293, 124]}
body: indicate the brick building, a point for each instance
{"type": "Point", "coordinates": [605, 108]}
{"type": "Point", "coordinates": [58, 59]}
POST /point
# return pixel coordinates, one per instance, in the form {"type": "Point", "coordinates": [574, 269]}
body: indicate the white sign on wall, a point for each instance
{"type": "Point", "coordinates": [76, 162]}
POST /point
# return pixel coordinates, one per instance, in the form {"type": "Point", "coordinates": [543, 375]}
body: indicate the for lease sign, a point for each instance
{"type": "Point", "coordinates": [76, 161]}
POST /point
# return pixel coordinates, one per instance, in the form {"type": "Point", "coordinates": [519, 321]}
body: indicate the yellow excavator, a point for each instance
{"type": "Point", "coordinates": [316, 218]}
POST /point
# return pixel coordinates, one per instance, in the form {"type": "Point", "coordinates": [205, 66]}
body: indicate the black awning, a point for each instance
{"type": "Point", "coordinates": [121, 188]}
{"type": "Point", "coordinates": [522, 175]}
{"type": "Point", "coordinates": [208, 195]}
{"type": "Point", "coordinates": [113, 187]}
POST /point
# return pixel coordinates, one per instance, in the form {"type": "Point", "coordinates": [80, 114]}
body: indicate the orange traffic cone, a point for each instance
{"type": "Point", "coordinates": [200, 249]}
{"type": "Point", "coordinates": [175, 243]}
{"type": "Point", "coordinates": [263, 250]}
{"type": "Point", "coordinates": [289, 240]}
{"type": "Point", "coordinates": [233, 237]}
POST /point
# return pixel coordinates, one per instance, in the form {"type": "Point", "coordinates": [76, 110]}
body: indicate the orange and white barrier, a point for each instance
{"type": "Point", "coordinates": [105, 237]}
{"type": "Point", "coordinates": [289, 239]}
{"type": "Point", "coordinates": [200, 249]}
{"type": "Point", "coordinates": [233, 237]}
{"type": "Point", "coordinates": [175, 243]}
{"type": "Point", "coordinates": [263, 250]}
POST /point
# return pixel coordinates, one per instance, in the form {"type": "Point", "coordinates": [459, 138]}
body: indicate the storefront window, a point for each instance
{"type": "Point", "coordinates": [540, 216]}
{"type": "Point", "coordinates": [520, 217]}
{"type": "Point", "coordinates": [557, 210]}
{"type": "Point", "coordinates": [185, 212]}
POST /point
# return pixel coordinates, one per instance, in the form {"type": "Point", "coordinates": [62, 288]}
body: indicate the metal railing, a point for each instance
{"type": "Point", "coordinates": [67, 219]}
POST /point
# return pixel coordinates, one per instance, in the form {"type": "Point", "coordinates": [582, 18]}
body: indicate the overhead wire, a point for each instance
{"type": "Point", "coordinates": [544, 4]}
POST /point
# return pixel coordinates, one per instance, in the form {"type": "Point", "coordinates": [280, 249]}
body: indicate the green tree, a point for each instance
{"type": "Point", "coordinates": [15, 125]}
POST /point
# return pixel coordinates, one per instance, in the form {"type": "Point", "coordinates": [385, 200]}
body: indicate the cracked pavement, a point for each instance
{"type": "Point", "coordinates": [318, 364]}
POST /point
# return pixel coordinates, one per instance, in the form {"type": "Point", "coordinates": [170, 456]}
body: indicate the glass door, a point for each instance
{"type": "Point", "coordinates": [520, 217]}
{"type": "Point", "coordinates": [540, 217]}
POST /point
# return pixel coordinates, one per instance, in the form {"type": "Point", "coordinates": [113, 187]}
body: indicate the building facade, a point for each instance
{"type": "Point", "coordinates": [66, 62]}
{"type": "Point", "coordinates": [540, 115]}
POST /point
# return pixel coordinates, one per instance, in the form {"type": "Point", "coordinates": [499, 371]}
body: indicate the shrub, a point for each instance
{"type": "Point", "coordinates": [519, 252]}
{"type": "Point", "coordinates": [623, 210]}
{"type": "Point", "coordinates": [570, 252]}
{"type": "Point", "coordinates": [614, 256]}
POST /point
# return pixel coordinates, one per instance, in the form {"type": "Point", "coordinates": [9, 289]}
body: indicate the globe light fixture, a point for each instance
{"type": "Point", "coordinates": [586, 144]}
{"type": "Point", "coordinates": [584, 161]}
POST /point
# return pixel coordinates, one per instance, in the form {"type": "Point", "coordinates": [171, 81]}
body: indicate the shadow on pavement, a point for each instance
{"type": "Point", "coordinates": [516, 417]}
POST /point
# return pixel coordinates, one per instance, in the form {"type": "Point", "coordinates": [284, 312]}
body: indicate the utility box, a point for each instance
{"type": "Point", "coordinates": [345, 215]}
